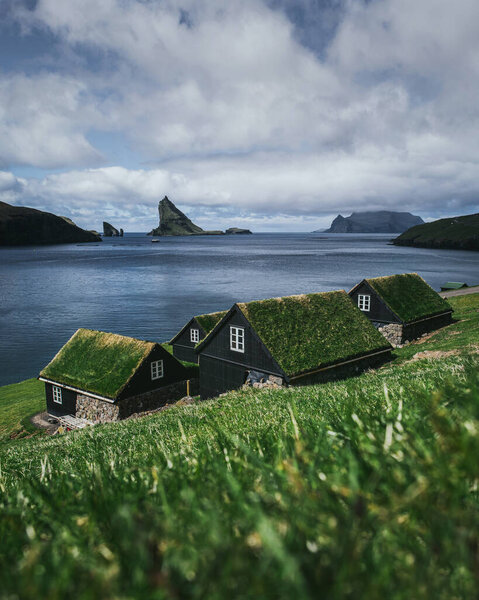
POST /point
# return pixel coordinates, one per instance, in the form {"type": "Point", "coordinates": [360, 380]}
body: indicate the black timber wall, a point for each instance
{"type": "Point", "coordinates": [68, 405]}
{"type": "Point", "coordinates": [378, 312]}
{"type": "Point", "coordinates": [218, 376]}
{"type": "Point", "coordinates": [141, 382]}
{"type": "Point", "coordinates": [183, 347]}
{"type": "Point", "coordinates": [414, 330]}
{"type": "Point", "coordinates": [344, 371]}
{"type": "Point", "coordinates": [184, 353]}
{"type": "Point", "coordinates": [223, 369]}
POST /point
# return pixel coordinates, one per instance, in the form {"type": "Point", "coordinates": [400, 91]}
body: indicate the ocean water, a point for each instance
{"type": "Point", "coordinates": [149, 290]}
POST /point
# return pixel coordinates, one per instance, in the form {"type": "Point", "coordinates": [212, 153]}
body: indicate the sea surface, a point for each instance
{"type": "Point", "coordinates": [150, 290]}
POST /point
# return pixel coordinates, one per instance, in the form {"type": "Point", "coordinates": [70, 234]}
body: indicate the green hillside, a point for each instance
{"type": "Point", "coordinates": [364, 488]}
{"type": "Point", "coordinates": [459, 233]}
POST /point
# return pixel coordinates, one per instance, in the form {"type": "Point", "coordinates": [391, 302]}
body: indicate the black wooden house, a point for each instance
{"type": "Point", "coordinates": [103, 377]}
{"type": "Point", "coordinates": [192, 333]}
{"type": "Point", "coordinates": [402, 307]}
{"type": "Point", "coordinates": [290, 340]}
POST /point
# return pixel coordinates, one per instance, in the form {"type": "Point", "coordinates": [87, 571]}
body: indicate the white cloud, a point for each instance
{"type": "Point", "coordinates": [234, 111]}
{"type": "Point", "coordinates": [43, 120]}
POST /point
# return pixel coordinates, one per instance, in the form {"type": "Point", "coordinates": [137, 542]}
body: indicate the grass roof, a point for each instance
{"type": "Point", "coordinates": [311, 331]}
{"type": "Point", "coordinates": [409, 296]}
{"type": "Point", "coordinates": [97, 362]}
{"type": "Point", "coordinates": [209, 321]}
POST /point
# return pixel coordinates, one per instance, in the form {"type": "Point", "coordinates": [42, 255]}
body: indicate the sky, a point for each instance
{"type": "Point", "coordinates": [275, 115]}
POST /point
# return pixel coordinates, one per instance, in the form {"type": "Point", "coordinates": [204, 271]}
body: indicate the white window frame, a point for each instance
{"type": "Point", "coordinates": [237, 338]}
{"type": "Point", "coordinates": [157, 370]}
{"type": "Point", "coordinates": [194, 335]}
{"type": "Point", "coordinates": [364, 302]}
{"type": "Point", "coordinates": [57, 394]}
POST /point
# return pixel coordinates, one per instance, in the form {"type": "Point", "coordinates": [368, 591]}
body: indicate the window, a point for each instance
{"type": "Point", "coordinates": [157, 369]}
{"type": "Point", "coordinates": [194, 335]}
{"type": "Point", "coordinates": [57, 394]}
{"type": "Point", "coordinates": [364, 302]}
{"type": "Point", "coordinates": [237, 339]}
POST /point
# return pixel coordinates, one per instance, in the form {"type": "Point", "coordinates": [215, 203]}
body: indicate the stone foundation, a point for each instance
{"type": "Point", "coordinates": [100, 411]}
{"type": "Point", "coordinates": [268, 381]}
{"type": "Point", "coordinates": [97, 411]}
{"type": "Point", "coordinates": [393, 332]}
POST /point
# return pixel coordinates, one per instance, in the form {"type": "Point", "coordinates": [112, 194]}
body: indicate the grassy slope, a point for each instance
{"type": "Point", "coordinates": [362, 488]}
{"type": "Point", "coordinates": [453, 232]}
{"type": "Point", "coordinates": [17, 402]}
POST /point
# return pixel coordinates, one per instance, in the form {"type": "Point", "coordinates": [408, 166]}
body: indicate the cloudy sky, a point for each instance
{"type": "Point", "coordinates": [269, 114]}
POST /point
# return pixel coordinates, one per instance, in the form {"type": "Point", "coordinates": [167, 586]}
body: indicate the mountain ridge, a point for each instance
{"type": "Point", "coordinates": [379, 221]}
{"type": "Point", "coordinates": [454, 233]}
{"type": "Point", "coordinates": [24, 226]}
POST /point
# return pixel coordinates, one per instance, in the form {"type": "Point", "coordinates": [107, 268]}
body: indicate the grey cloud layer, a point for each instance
{"type": "Point", "coordinates": [235, 111]}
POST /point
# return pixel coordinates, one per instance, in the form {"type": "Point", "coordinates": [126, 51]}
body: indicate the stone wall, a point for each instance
{"type": "Point", "coordinates": [393, 332]}
{"type": "Point", "coordinates": [156, 398]}
{"type": "Point", "coordinates": [99, 411]}
{"type": "Point", "coordinates": [268, 381]}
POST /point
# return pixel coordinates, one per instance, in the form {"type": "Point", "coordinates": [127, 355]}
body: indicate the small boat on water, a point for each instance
{"type": "Point", "coordinates": [154, 241]}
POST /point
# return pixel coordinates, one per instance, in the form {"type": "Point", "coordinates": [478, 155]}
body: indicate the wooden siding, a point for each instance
{"type": "Point", "coordinates": [141, 382]}
{"type": "Point", "coordinates": [183, 347]}
{"type": "Point", "coordinates": [415, 330]}
{"type": "Point", "coordinates": [68, 405]}
{"type": "Point", "coordinates": [378, 312]}
{"type": "Point", "coordinates": [255, 355]}
{"type": "Point", "coordinates": [223, 369]}
{"type": "Point", "coordinates": [344, 371]}
{"type": "Point", "coordinates": [184, 353]}
{"type": "Point", "coordinates": [218, 376]}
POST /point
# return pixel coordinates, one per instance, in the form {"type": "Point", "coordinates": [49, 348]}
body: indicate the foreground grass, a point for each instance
{"type": "Point", "coordinates": [365, 488]}
{"type": "Point", "coordinates": [17, 402]}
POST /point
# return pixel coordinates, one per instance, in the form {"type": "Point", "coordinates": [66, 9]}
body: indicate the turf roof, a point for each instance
{"type": "Point", "coordinates": [97, 362]}
{"type": "Point", "coordinates": [409, 296]}
{"type": "Point", "coordinates": [311, 331]}
{"type": "Point", "coordinates": [209, 321]}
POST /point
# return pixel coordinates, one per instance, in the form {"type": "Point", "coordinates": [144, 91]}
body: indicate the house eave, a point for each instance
{"type": "Point", "coordinates": [75, 389]}
{"type": "Point", "coordinates": [338, 364]}
{"type": "Point", "coordinates": [439, 314]}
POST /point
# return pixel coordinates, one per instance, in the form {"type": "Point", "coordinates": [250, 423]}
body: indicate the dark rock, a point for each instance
{"type": "Point", "coordinates": [381, 221]}
{"type": "Point", "coordinates": [109, 230]}
{"type": "Point", "coordinates": [21, 226]}
{"type": "Point", "coordinates": [121, 232]}
{"type": "Point", "coordinates": [174, 222]}
{"type": "Point", "coordinates": [237, 231]}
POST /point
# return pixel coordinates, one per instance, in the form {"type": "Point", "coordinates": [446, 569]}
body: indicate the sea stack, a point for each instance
{"type": "Point", "coordinates": [109, 230]}
{"type": "Point", "coordinates": [174, 222]}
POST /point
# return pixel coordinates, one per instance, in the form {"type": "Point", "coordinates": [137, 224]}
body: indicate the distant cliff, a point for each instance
{"type": "Point", "coordinates": [237, 231]}
{"type": "Point", "coordinates": [174, 222]}
{"type": "Point", "coordinates": [456, 233]}
{"type": "Point", "coordinates": [381, 221]}
{"type": "Point", "coordinates": [21, 226]}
